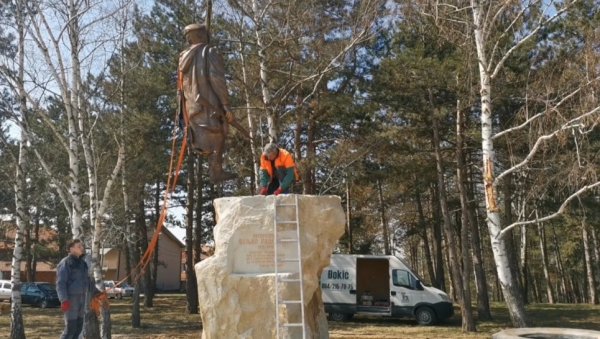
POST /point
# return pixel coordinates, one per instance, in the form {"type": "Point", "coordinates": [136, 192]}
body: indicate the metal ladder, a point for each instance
{"type": "Point", "coordinates": [297, 283]}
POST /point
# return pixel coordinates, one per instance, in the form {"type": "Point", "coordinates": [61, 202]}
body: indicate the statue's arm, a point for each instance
{"type": "Point", "coordinates": [217, 77]}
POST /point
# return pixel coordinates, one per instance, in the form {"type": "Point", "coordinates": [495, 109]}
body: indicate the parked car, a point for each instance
{"type": "Point", "coordinates": [112, 290]}
{"type": "Point", "coordinates": [40, 294]}
{"type": "Point", "coordinates": [5, 290]}
{"type": "Point", "coordinates": [127, 290]}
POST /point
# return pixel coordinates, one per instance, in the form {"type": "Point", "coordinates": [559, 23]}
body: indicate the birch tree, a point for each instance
{"type": "Point", "coordinates": [14, 77]}
{"type": "Point", "coordinates": [68, 48]}
{"type": "Point", "coordinates": [492, 56]}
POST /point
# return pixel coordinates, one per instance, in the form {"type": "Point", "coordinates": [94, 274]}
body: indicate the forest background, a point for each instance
{"type": "Point", "coordinates": [462, 135]}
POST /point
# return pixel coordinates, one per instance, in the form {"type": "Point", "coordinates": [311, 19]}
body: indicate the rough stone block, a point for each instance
{"type": "Point", "coordinates": [236, 286]}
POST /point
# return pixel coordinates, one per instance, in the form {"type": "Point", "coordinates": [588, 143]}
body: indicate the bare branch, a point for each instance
{"type": "Point", "coordinates": [554, 108]}
{"type": "Point", "coordinates": [527, 37]}
{"type": "Point", "coordinates": [553, 215]}
{"type": "Point", "coordinates": [540, 140]}
{"type": "Point", "coordinates": [519, 15]}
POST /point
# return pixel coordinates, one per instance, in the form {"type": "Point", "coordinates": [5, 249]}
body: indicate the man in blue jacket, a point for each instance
{"type": "Point", "coordinates": [72, 284]}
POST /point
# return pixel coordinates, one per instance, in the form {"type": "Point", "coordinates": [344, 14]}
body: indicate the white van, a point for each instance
{"type": "Point", "coordinates": [380, 286]}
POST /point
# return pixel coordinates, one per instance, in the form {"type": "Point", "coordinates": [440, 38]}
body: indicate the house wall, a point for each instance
{"type": "Point", "coordinates": [110, 264]}
{"type": "Point", "coordinates": [169, 264]}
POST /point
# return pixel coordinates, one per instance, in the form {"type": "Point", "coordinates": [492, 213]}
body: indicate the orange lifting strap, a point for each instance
{"type": "Point", "coordinates": [171, 184]}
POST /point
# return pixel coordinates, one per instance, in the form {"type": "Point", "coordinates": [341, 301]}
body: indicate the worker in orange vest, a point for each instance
{"type": "Point", "coordinates": [277, 170]}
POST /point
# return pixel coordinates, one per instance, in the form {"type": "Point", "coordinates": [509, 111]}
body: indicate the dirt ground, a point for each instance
{"type": "Point", "coordinates": [169, 320]}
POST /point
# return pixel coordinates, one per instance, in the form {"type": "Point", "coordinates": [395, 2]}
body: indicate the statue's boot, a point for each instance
{"type": "Point", "coordinates": [216, 172]}
{"type": "Point", "coordinates": [220, 175]}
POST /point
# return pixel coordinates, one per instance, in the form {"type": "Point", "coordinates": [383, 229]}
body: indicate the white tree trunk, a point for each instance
{"type": "Point", "coordinates": [544, 253]}
{"type": "Point", "coordinates": [272, 119]}
{"type": "Point", "coordinates": [507, 281]}
{"type": "Point", "coordinates": [524, 263]}
{"type": "Point", "coordinates": [16, 319]}
{"type": "Point", "coordinates": [17, 329]}
{"type": "Point", "coordinates": [589, 267]}
{"type": "Point", "coordinates": [251, 123]}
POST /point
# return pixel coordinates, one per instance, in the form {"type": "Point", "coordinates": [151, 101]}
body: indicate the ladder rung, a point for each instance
{"type": "Point", "coordinates": [291, 301]}
{"type": "Point", "coordinates": [293, 325]}
{"type": "Point", "coordinates": [285, 205]}
{"type": "Point", "coordinates": [289, 260]}
{"type": "Point", "coordinates": [287, 222]}
{"type": "Point", "coordinates": [289, 280]}
{"type": "Point", "coordinates": [288, 240]}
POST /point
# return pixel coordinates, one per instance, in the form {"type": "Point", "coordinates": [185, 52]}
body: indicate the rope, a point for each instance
{"type": "Point", "coordinates": [171, 184]}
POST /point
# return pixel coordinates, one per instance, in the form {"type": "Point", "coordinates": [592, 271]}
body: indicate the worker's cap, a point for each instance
{"type": "Point", "coordinates": [193, 27]}
{"type": "Point", "coordinates": [270, 148]}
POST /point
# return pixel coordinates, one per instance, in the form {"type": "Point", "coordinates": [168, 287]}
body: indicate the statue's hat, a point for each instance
{"type": "Point", "coordinates": [193, 27]}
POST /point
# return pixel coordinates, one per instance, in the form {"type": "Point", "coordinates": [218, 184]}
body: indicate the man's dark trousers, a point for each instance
{"type": "Point", "coordinates": [74, 317]}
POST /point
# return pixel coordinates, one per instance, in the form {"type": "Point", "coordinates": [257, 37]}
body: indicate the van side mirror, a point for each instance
{"type": "Point", "coordinates": [418, 285]}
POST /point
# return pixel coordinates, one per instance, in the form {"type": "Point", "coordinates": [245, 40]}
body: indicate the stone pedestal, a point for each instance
{"type": "Point", "coordinates": [236, 286]}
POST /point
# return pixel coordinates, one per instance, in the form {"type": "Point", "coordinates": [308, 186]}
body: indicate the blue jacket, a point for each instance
{"type": "Point", "coordinates": [71, 277]}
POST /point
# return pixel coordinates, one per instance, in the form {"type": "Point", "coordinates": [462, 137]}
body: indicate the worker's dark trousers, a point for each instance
{"type": "Point", "coordinates": [74, 317]}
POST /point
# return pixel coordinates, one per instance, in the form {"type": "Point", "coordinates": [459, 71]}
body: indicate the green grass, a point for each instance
{"type": "Point", "coordinates": [168, 319]}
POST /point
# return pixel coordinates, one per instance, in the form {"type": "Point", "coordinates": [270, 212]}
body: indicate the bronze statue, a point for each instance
{"type": "Point", "coordinates": [204, 99]}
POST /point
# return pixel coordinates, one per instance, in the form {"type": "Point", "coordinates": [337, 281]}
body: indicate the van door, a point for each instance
{"type": "Point", "coordinates": [373, 285]}
{"type": "Point", "coordinates": [404, 293]}
{"type": "Point", "coordinates": [338, 286]}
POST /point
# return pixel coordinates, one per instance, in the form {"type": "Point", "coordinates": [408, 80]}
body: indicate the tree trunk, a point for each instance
{"type": "Point", "coordinates": [544, 253]}
{"type": "Point", "coordinates": [560, 269]}
{"type": "Point", "coordinates": [510, 287]}
{"type": "Point", "coordinates": [199, 211]}
{"type": "Point", "coordinates": [424, 236]}
{"type": "Point", "coordinates": [440, 278]}
{"type": "Point", "coordinates": [190, 283]}
{"type": "Point", "coordinates": [298, 142]}
{"type": "Point", "coordinates": [511, 247]}
{"type": "Point", "coordinates": [348, 217]}
{"type": "Point", "coordinates": [524, 264]}
{"type": "Point", "coordinates": [143, 234]}
{"type": "Point", "coordinates": [272, 118]}
{"type": "Point", "coordinates": [589, 267]}
{"type": "Point", "coordinates": [309, 178]}
{"type": "Point", "coordinates": [458, 279]}
{"type": "Point", "coordinates": [255, 179]}
{"type": "Point", "coordinates": [461, 177]}
{"type": "Point", "coordinates": [382, 219]}
{"type": "Point", "coordinates": [17, 328]}
{"type": "Point", "coordinates": [595, 245]}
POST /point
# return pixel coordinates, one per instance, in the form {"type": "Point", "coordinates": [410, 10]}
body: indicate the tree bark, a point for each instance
{"type": "Point", "coordinates": [255, 179]}
{"type": "Point", "coordinates": [348, 217]}
{"type": "Point", "coordinates": [272, 118]}
{"type": "Point", "coordinates": [589, 266]}
{"type": "Point", "coordinates": [440, 281]}
{"type": "Point", "coordinates": [468, 323]}
{"type": "Point", "coordinates": [424, 236]}
{"type": "Point", "coordinates": [190, 283]}
{"type": "Point", "coordinates": [510, 287]}
{"type": "Point", "coordinates": [524, 265]}
{"type": "Point", "coordinates": [199, 211]}
{"type": "Point", "coordinates": [382, 219]}
{"type": "Point", "coordinates": [560, 269]}
{"type": "Point", "coordinates": [17, 328]}
{"type": "Point", "coordinates": [544, 253]}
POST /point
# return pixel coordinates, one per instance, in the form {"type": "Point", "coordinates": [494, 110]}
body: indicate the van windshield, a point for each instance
{"type": "Point", "coordinates": [423, 281]}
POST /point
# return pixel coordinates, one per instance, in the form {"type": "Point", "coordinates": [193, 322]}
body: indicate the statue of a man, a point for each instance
{"type": "Point", "coordinates": [204, 98]}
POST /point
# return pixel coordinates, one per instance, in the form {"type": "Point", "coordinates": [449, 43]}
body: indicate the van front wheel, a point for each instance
{"type": "Point", "coordinates": [425, 316]}
{"type": "Point", "coordinates": [338, 316]}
